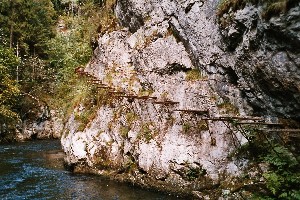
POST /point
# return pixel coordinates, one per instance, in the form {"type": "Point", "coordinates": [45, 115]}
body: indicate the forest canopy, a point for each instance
{"type": "Point", "coordinates": [37, 58]}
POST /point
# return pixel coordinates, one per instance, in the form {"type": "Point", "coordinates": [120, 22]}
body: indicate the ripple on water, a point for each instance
{"type": "Point", "coordinates": [34, 170]}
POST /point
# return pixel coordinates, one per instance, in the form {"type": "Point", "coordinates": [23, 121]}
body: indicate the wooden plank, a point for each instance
{"type": "Point", "coordinates": [80, 73]}
{"type": "Point", "coordinates": [213, 119]}
{"type": "Point", "coordinates": [241, 117]}
{"type": "Point", "coordinates": [96, 81]}
{"type": "Point", "coordinates": [281, 130]}
{"type": "Point", "coordinates": [229, 118]}
{"type": "Point", "coordinates": [294, 135]}
{"type": "Point", "coordinates": [143, 97]}
{"type": "Point", "coordinates": [165, 102]}
{"type": "Point", "coordinates": [116, 92]}
{"type": "Point", "coordinates": [200, 112]}
{"type": "Point", "coordinates": [104, 87]}
{"type": "Point", "coordinates": [127, 96]}
{"type": "Point", "coordinates": [259, 123]}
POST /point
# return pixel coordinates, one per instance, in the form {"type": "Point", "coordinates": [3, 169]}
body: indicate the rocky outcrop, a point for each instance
{"type": "Point", "coordinates": [266, 59]}
{"type": "Point", "coordinates": [173, 80]}
{"type": "Point", "coordinates": [47, 126]}
{"type": "Point", "coordinates": [252, 53]}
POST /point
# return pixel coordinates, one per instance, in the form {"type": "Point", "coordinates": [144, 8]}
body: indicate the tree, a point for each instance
{"type": "Point", "coordinates": [8, 93]}
{"type": "Point", "coordinates": [9, 90]}
{"type": "Point", "coordinates": [27, 24]}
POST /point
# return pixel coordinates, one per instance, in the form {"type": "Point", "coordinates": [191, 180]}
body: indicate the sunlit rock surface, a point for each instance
{"type": "Point", "coordinates": [47, 125]}
{"type": "Point", "coordinates": [161, 131]}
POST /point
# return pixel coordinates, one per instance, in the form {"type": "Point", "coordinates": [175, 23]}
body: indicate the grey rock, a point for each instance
{"type": "Point", "coordinates": [249, 67]}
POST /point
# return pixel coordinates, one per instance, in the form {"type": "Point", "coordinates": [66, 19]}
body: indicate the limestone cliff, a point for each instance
{"type": "Point", "coordinates": [41, 123]}
{"type": "Point", "coordinates": [171, 82]}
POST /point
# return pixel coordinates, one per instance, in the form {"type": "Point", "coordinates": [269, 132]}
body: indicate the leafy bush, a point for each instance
{"type": "Point", "coordinates": [282, 179]}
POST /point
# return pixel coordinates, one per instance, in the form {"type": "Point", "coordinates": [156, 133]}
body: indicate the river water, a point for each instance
{"type": "Point", "coordinates": [34, 170]}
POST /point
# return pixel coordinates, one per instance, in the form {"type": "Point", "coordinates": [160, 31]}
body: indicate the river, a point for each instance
{"type": "Point", "coordinates": [34, 170]}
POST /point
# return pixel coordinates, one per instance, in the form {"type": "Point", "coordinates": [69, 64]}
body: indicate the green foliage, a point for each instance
{"type": "Point", "coordinates": [8, 96]}
{"type": "Point", "coordinates": [89, 98]}
{"type": "Point", "coordinates": [8, 59]}
{"type": "Point", "coordinates": [270, 7]}
{"type": "Point", "coordinates": [282, 179]}
{"type": "Point", "coordinates": [28, 24]}
{"type": "Point", "coordinates": [66, 52]}
{"type": "Point", "coordinates": [189, 127]}
{"type": "Point", "coordinates": [124, 131]}
{"type": "Point", "coordinates": [195, 172]}
{"type": "Point", "coordinates": [146, 132]}
{"type": "Point", "coordinates": [276, 7]}
{"type": "Point", "coordinates": [194, 75]}
{"type": "Point", "coordinates": [281, 158]}
{"type": "Point", "coordinates": [274, 182]}
{"type": "Point", "coordinates": [71, 49]}
{"type": "Point", "coordinates": [228, 107]}
{"type": "Point", "coordinates": [226, 5]}
{"type": "Point", "coordinates": [45, 62]}
{"type": "Point", "coordinates": [145, 92]}
{"type": "Point", "coordinates": [202, 125]}
{"type": "Point", "coordinates": [84, 95]}
{"type": "Point", "coordinates": [9, 90]}
{"type": "Point", "coordinates": [186, 127]}
{"type": "Point", "coordinates": [131, 117]}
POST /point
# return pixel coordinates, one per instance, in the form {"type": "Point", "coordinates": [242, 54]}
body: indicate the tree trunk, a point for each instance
{"type": "Point", "coordinates": [11, 36]}
{"type": "Point", "coordinates": [12, 24]}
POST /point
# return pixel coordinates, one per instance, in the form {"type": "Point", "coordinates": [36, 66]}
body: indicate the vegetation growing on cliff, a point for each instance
{"type": "Point", "coordinates": [282, 178]}
{"type": "Point", "coordinates": [194, 75]}
{"type": "Point", "coordinates": [270, 7]}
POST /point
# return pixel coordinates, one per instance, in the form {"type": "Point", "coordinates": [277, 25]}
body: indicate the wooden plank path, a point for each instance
{"type": "Point", "coordinates": [166, 102]}
{"type": "Point", "coordinates": [292, 133]}
{"type": "Point", "coordinates": [242, 118]}
{"type": "Point", "coordinates": [281, 130]}
{"type": "Point", "coordinates": [146, 97]}
{"type": "Point", "coordinates": [116, 92]}
{"type": "Point", "coordinates": [238, 118]}
{"type": "Point", "coordinates": [127, 96]}
{"type": "Point", "coordinates": [198, 112]}
{"type": "Point", "coordinates": [104, 87]}
{"type": "Point", "coordinates": [260, 123]}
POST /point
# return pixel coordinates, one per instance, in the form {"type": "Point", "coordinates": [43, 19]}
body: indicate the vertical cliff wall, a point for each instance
{"type": "Point", "coordinates": [171, 82]}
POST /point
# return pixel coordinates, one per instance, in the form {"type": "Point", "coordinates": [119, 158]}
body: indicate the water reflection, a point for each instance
{"type": "Point", "coordinates": [34, 170]}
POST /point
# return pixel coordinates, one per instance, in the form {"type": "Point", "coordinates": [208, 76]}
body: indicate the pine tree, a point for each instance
{"type": "Point", "coordinates": [27, 24]}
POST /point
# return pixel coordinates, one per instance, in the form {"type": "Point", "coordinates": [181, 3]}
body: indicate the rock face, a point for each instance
{"type": "Point", "coordinates": [47, 126]}
{"type": "Point", "coordinates": [172, 80]}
